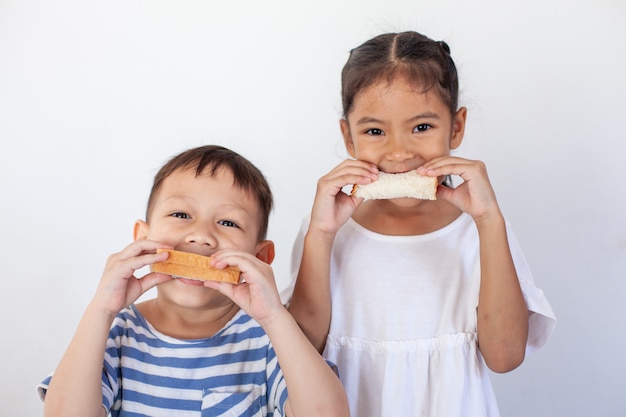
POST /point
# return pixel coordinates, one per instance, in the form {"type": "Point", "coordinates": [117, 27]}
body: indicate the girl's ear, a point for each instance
{"type": "Point", "coordinates": [347, 137]}
{"type": "Point", "coordinates": [141, 229]}
{"type": "Point", "coordinates": [265, 251]}
{"type": "Point", "coordinates": [458, 128]}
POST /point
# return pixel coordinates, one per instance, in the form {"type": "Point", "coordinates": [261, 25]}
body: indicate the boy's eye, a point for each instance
{"type": "Point", "coordinates": [180, 215]}
{"type": "Point", "coordinates": [227, 223]}
{"type": "Point", "coordinates": [421, 127]}
{"type": "Point", "coordinates": [374, 132]}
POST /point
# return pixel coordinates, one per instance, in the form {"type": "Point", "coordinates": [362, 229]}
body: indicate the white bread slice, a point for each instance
{"type": "Point", "coordinates": [194, 266]}
{"type": "Point", "coordinates": [403, 185]}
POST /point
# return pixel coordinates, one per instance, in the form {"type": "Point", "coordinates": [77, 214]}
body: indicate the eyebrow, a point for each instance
{"type": "Point", "coordinates": [227, 207]}
{"type": "Point", "coordinates": [178, 197]}
{"type": "Point", "coordinates": [425, 115]}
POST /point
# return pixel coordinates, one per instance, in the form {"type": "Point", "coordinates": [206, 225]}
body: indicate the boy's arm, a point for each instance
{"type": "Point", "coordinates": [76, 385]}
{"type": "Point", "coordinates": [314, 389]}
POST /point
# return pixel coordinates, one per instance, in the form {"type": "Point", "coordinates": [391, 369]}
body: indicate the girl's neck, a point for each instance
{"type": "Point", "coordinates": [415, 218]}
{"type": "Point", "coordinates": [183, 323]}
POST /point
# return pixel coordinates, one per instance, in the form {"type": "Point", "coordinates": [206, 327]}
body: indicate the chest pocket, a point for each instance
{"type": "Point", "coordinates": [222, 403]}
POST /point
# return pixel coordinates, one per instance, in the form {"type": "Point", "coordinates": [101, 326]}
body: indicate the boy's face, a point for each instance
{"type": "Point", "coordinates": [203, 215]}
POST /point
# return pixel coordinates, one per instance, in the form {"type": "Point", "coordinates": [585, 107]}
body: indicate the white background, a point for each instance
{"type": "Point", "coordinates": [95, 96]}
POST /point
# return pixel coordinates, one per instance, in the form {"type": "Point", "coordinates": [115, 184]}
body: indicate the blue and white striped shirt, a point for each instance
{"type": "Point", "coordinates": [232, 373]}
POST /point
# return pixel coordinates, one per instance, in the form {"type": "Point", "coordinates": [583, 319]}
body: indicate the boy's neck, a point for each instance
{"type": "Point", "coordinates": [186, 323]}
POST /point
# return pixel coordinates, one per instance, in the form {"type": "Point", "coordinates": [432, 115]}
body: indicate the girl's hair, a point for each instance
{"type": "Point", "coordinates": [423, 62]}
{"type": "Point", "coordinates": [211, 159]}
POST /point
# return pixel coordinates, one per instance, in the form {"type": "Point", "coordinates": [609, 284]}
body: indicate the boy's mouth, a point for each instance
{"type": "Point", "coordinates": [187, 281]}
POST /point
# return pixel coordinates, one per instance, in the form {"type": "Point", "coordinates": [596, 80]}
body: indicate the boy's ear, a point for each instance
{"type": "Point", "coordinates": [347, 137]}
{"type": "Point", "coordinates": [141, 229]}
{"type": "Point", "coordinates": [265, 251]}
{"type": "Point", "coordinates": [458, 128]}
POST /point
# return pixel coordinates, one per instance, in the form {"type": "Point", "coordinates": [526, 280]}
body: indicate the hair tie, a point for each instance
{"type": "Point", "coordinates": [444, 46]}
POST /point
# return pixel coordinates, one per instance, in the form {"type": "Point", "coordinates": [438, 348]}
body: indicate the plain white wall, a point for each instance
{"type": "Point", "coordinates": [95, 96]}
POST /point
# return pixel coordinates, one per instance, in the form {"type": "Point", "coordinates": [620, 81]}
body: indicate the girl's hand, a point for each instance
{"type": "Point", "coordinates": [257, 295]}
{"type": "Point", "coordinates": [475, 196]}
{"type": "Point", "coordinates": [332, 207]}
{"type": "Point", "coordinates": [118, 286]}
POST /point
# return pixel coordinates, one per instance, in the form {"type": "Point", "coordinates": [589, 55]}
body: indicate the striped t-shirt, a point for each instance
{"type": "Point", "coordinates": [232, 373]}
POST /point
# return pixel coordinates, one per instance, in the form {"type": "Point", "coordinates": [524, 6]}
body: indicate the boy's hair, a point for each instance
{"type": "Point", "coordinates": [423, 62]}
{"type": "Point", "coordinates": [211, 159]}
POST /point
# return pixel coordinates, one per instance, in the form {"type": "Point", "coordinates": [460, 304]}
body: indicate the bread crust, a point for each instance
{"type": "Point", "coordinates": [194, 266]}
{"type": "Point", "coordinates": [398, 185]}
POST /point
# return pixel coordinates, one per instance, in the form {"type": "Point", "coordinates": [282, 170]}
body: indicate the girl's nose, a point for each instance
{"type": "Point", "coordinates": [397, 149]}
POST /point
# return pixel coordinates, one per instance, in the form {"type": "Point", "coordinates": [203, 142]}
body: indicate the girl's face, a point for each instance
{"type": "Point", "coordinates": [398, 128]}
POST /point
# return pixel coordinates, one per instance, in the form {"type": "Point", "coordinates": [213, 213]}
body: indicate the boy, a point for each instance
{"type": "Point", "coordinates": [198, 348]}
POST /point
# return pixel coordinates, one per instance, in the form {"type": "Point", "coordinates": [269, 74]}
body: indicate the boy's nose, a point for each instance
{"type": "Point", "coordinates": [201, 236]}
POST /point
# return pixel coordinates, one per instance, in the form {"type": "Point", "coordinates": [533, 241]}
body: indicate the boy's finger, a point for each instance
{"type": "Point", "coordinates": [153, 279]}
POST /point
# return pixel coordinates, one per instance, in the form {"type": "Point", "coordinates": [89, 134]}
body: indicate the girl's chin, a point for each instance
{"type": "Point", "coordinates": [405, 202]}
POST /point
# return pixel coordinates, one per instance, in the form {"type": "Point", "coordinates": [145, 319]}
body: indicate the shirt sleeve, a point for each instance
{"type": "Point", "coordinates": [42, 388]}
{"type": "Point", "coordinates": [111, 367]}
{"type": "Point", "coordinates": [276, 385]}
{"type": "Point", "coordinates": [296, 259]}
{"type": "Point", "coordinates": [541, 318]}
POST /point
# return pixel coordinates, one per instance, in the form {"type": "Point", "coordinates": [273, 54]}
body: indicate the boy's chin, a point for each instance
{"type": "Point", "coordinates": [190, 293]}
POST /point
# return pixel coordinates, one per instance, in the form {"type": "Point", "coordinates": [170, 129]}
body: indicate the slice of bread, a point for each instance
{"type": "Point", "coordinates": [403, 185]}
{"type": "Point", "coordinates": [194, 266]}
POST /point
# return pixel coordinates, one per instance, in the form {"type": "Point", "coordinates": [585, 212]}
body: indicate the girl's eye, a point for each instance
{"type": "Point", "coordinates": [227, 223]}
{"type": "Point", "coordinates": [374, 132]}
{"type": "Point", "coordinates": [421, 127]}
{"type": "Point", "coordinates": [180, 215]}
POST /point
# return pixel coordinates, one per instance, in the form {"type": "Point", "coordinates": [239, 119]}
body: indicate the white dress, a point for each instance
{"type": "Point", "coordinates": [403, 327]}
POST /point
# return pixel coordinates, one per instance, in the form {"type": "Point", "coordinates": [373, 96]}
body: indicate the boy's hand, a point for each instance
{"type": "Point", "coordinates": [258, 295]}
{"type": "Point", "coordinates": [332, 207]}
{"type": "Point", "coordinates": [118, 286]}
{"type": "Point", "coordinates": [475, 196]}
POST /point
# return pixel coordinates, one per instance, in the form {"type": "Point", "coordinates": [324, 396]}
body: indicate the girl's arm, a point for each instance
{"type": "Point", "coordinates": [502, 313]}
{"type": "Point", "coordinates": [310, 304]}
{"type": "Point", "coordinates": [76, 385]}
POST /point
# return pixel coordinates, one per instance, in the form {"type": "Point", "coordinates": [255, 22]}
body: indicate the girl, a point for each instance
{"type": "Point", "coordinates": [425, 295]}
